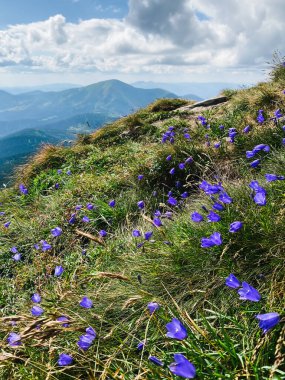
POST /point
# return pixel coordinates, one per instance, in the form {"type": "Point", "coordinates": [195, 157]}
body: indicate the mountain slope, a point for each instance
{"type": "Point", "coordinates": [16, 148]}
{"type": "Point", "coordinates": [151, 243]}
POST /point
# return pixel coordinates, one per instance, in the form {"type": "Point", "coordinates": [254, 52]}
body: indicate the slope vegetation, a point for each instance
{"type": "Point", "coordinates": [158, 239]}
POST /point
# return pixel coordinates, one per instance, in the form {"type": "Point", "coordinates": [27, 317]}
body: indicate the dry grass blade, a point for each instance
{"type": "Point", "coordinates": [89, 236]}
{"type": "Point", "coordinates": [112, 275]}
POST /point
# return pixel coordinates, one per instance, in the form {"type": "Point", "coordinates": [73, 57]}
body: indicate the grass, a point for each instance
{"type": "Point", "coordinates": [224, 340]}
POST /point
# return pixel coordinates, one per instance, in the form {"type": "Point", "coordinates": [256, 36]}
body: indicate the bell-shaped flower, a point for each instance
{"type": "Point", "coordinates": [58, 270]}
{"type": "Point", "coordinates": [148, 235]}
{"type": "Point", "coordinates": [36, 298]}
{"type": "Point", "coordinates": [140, 204]}
{"type": "Point", "coordinates": [37, 311]}
{"type": "Point", "coordinates": [274, 177]}
{"type": "Point", "coordinates": [57, 231]}
{"type": "Point", "coordinates": [213, 217]}
{"type": "Point", "coordinates": [86, 303]}
{"type": "Point", "coordinates": [214, 239]}
{"type": "Point", "coordinates": [23, 189]}
{"type": "Point", "coordinates": [112, 203]}
{"type": "Point", "coordinates": [152, 307]}
{"type": "Point", "coordinates": [225, 198]}
{"type": "Point", "coordinates": [232, 281]}
{"type": "Point", "coordinates": [260, 198]}
{"type": "Point", "coordinates": [155, 360]}
{"type": "Point", "coordinates": [64, 359]}
{"type": "Point", "coordinates": [267, 321]}
{"type": "Point", "coordinates": [248, 293]}
{"type": "Point", "coordinates": [176, 330]}
{"type": "Point", "coordinates": [246, 129]}
{"type": "Point", "coordinates": [196, 217]}
{"type": "Point", "coordinates": [182, 367]}
{"type": "Point", "coordinates": [235, 226]}
{"type": "Point", "coordinates": [14, 339]}
{"type": "Point", "coordinates": [172, 201]}
{"type": "Point", "coordinates": [255, 163]}
{"type": "Point", "coordinates": [217, 206]}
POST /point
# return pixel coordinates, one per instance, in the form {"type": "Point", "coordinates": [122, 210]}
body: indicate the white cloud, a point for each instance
{"type": "Point", "coordinates": [157, 36]}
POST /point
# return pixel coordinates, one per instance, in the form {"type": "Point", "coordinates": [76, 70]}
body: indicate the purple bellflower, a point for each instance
{"type": "Point", "coordinates": [152, 307]}
{"type": "Point", "coordinates": [260, 118]}
{"type": "Point", "coordinates": [248, 293]}
{"type": "Point", "coordinates": [141, 345]}
{"type": "Point", "coordinates": [218, 206]}
{"type": "Point", "coordinates": [176, 330]}
{"type": "Point", "coordinates": [148, 235]}
{"type": "Point", "coordinates": [86, 303]}
{"type": "Point", "coordinates": [90, 206]}
{"type": "Point", "coordinates": [267, 321]}
{"type": "Point", "coordinates": [196, 217]}
{"type": "Point", "coordinates": [225, 198]}
{"type": "Point", "coordinates": [64, 359]}
{"type": "Point", "coordinates": [260, 198]}
{"type": "Point", "coordinates": [141, 204]}
{"type": "Point", "coordinates": [14, 339]}
{"type": "Point", "coordinates": [232, 281]}
{"type": "Point", "coordinates": [182, 367]}
{"type": "Point", "coordinates": [214, 239]}
{"type": "Point", "coordinates": [172, 201]}
{"type": "Point", "coordinates": [213, 217]}
{"type": "Point", "coordinates": [17, 257]}
{"type": "Point", "coordinates": [72, 219]}
{"type": "Point", "coordinates": [86, 340]}
{"type": "Point", "coordinates": [157, 222]}
{"type": "Point", "coordinates": [136, 233]}
{"type": "Point", "coordinates": [23, 189]}
{"type": "Point", "coordinates": [235, 226]}
{"type": "Point", "coordinates": [58, 270]}
{"type": "Point", "coordinates": [45, 245]}
{"type": "Point", "coordinates": [57, 231]}
{"type": "Point", "coordinates": [274, 177]}
{"type": "Point", "coordinates": [112, 203]}
{"type": "Point", "coordinates": [37, 311]}
{"type": "Point", "coordinates": [63, 318]}
{"type": "Point", "coordinates": [189, 160]}
{"type": "Point", "coordinates": [155, 360]}
{"type": "Point", "coordinates": [36, 298]}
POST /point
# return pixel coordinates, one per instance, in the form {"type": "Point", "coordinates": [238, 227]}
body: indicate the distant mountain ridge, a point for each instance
{"type": "Point", "coordinates": [45, 87]}
{"type": "Point", "coordinates": [193, 90]}
{"type": "Point", "coordinates": [30, 119]}
{"type": "Point", "coordinates": [113, 97]}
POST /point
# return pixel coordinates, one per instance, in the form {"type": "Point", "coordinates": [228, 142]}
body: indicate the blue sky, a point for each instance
{"type": "Point", "coordinates": [84, 41]}
{"type": "Point", "coordinates": [27, 11]}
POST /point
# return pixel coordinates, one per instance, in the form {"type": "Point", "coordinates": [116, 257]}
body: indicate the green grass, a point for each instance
{"type": "Point", "coordinates": [224, 340]}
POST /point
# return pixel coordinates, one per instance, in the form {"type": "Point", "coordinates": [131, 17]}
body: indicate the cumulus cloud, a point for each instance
{"type": "Point", "coordinates": [157, 36]}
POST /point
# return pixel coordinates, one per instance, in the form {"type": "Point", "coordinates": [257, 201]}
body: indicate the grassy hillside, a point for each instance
{"type": "Point", "coordinates": [124, 202]}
